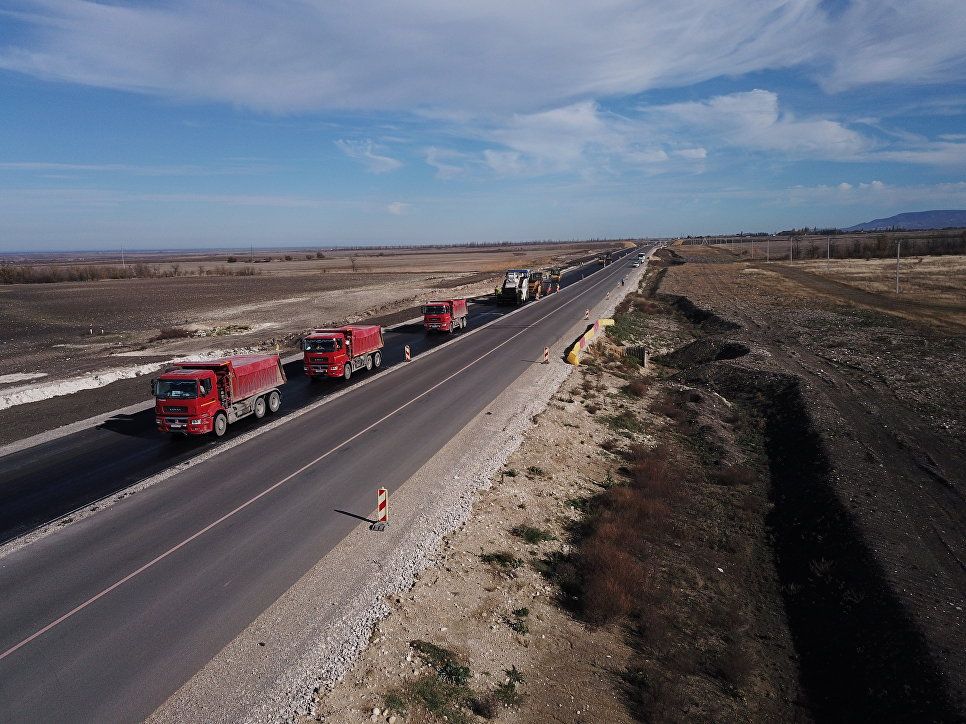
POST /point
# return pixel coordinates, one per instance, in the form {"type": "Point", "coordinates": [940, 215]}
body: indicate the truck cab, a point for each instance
{"type": "Point", "coordinates": [444, 316]}
{"type": "Point", "coordinates": [186, 401]}
{"type": "Point", "coordinates": [326, 353]}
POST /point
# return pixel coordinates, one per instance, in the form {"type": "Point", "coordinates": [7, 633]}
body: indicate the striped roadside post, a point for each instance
{"type": "Point", "coordinates": [587, 314]}
{"type": "Point", "coordinates": [409, 354]}
{"type": "Point", "coordinates": [382, 510]}
{"type": "Point", "coordinates": [546, 355]}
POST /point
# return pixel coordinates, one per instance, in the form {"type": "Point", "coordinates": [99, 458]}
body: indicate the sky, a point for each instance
{"type": "Point", "coordinates": [176, 123]}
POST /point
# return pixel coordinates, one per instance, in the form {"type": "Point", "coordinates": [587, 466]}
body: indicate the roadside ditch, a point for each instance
{"type": "Point", "coordinates": [859, 652]}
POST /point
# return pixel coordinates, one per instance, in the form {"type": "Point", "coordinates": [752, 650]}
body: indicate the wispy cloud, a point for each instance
{"type": "Point", "coordinates": [281, 57]}
{"type": "Point", "coordinates": [134, 169]}
{"type": "Point", "coordinates": [398, 208]}
{"type": "Point", "coordinates": [363, 152]}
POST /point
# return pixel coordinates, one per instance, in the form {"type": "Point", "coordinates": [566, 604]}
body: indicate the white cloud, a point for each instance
{"type": "Point", "coordinates": [279, 56]}
{"type": "Point", "coordinates": [448, 163]}
{"type": "Point", "coordinates": [363, 151]}
{"type": "Point", "coordinates": [505, 163]}
{"type": "Point", "coordinates": [398, 208]}
{"type": "Point", "coordinates": [888, 41]}
{"type": "Point", "coordinates": [754, 120]}
{"type": "Point", "coordinates": [695, 153]}
{"type": "Point", "coordinates": [877, 194]}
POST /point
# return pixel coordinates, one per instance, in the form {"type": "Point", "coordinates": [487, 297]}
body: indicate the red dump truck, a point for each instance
{"type": "Point", "coordinates": [447, 315]}
{"type": "Point", "coordinates": [342, 351]}
{"type": "Point", "coordinates": [204, 396]}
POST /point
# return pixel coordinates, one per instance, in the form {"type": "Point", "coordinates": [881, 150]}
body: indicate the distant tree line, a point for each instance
{"type": "Point", "coordinates": [27, 274]}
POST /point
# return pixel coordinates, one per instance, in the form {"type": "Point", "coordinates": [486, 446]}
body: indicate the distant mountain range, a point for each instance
{"type": "Point", "coordinates": [915, 220]}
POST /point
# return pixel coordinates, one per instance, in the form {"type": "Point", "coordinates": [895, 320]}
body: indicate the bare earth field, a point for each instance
{"type": "Point", "coordinates": [867, 436]}
{"type": "Point", "coordinates": [46, 328]}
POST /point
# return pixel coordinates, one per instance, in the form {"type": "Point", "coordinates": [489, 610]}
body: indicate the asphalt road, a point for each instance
{"type": "Point", "coordinates": [48, 481]}
{"type": "Point", "coordinates": [106, 618]}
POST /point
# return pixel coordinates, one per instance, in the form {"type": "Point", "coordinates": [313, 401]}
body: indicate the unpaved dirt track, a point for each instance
{"type": "Point", "coordinates": [939, 313]}
{"type": "Point", "coordinates": [885, 394]}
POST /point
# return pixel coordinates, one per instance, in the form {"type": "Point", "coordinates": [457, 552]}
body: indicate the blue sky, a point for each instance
{"type": "Point", "coordinates": [163, 124]}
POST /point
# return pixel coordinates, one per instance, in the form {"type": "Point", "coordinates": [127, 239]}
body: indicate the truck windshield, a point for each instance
{"type": "Point", "coordinates": [323, 345]}
{"type": "Point", "coordinates": [177, 389]}
{"type": "Point", "coordinates": [435, 309]}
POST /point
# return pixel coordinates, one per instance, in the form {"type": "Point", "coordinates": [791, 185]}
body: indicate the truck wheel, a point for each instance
{"type": "Point", "coordinates": [347, 371]}
{"type": "Point", "coordinates": [463, 323]}
{"type": "Point", "coordinates": [377, 359]}
{"type": "Point", "coordinates": [221, 424]}
{"type": "Point", "coordinates": [260, 408]}
{"type": "Point", "coordinates": [368, 362]}
{"type": "Point", "coordinates": [274, 401]}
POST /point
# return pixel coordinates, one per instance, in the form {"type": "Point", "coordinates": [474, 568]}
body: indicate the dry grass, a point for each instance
{"type": "Point", "coordinates": [936, 280]}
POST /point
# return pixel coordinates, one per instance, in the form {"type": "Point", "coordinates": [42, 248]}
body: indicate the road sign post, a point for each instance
{"type": "Point", "coordinates": [409, 354]}
{"type": "Point", "coordinates": [382, 510]}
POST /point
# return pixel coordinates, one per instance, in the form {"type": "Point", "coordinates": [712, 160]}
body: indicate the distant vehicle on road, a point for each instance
{"type": "Point", "coordinates": [536, 284]}
{"type": "Point", "coordinates": [637, 263]}
{"type": "Point", "coordinates": [447, 315]}
{"type": "Point", "coordinates": [607, 258]}
{"type": "Point", "coordinates": [555, 274]}
{"type": "Point", "coordinates": [341, 351]}
{"type": "Point", "coordinates": [516, 287]}
{"type": "Point", "coordinates": [198, 397]}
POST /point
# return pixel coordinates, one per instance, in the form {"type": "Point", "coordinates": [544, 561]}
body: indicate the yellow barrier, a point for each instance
{"type": "Point", "coordinates": [573, 356]}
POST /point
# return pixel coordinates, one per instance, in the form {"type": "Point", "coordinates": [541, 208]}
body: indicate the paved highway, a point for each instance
{"type": "Point", "coordinates": [48, 481]}
{"type": "Point", "coordinates": [106, 618]}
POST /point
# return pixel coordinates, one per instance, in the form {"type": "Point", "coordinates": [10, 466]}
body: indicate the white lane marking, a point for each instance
{"type": "Point", "coordinates": [226, 516]}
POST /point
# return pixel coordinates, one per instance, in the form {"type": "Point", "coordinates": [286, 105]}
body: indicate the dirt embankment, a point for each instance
{"type": "Point", "coordinates": [864, 447]}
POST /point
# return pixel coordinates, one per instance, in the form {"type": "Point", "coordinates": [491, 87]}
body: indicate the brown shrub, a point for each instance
{"type": "Point", "coordinates": [735, 475]}
{"type": "Point", "coordinates": [171, 333]}
{"type": "Point", "coordinates": [669, 407]}
{"type": "Point", "coordinates": [734, 664]}
{"type": "Point", "coordinates": [612, 577]}
{"type": "Point", "coordinates": [636, 388]}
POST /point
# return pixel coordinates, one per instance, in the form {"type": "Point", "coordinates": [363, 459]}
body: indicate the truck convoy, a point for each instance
{"type": "Point", "coordinates": [516, 287]}
{"type": "Point", "coordinates": [340, 352]}
{"type": "Point", "coordinates": [447, 315]}
{"type": "Point", "coordinates": [198, 397]}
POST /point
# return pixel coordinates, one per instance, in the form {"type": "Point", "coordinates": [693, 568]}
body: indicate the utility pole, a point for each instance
{"type": "Point", "coordinates": [898, 244]}
{"type": "Point", "coordinates": [768, 249]}
{"type": "Point", "coordinates": [123, 265]}
{"type": "Point", "coordinates": [828, 251]}
{"type": "Point", "coordinates": [253, 254]}
{"type": "Point", "coordinates": [791, 248]}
